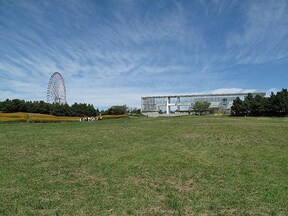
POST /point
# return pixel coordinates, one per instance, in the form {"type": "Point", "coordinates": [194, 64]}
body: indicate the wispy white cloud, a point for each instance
{"type": "Point", "coordinates": [116, 52]}
{"type": "Point", "coordinates": [263, 35]}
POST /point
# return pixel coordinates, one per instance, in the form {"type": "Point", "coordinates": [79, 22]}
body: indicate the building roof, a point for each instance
{"type": "Point", "coordinates": [205, 95]}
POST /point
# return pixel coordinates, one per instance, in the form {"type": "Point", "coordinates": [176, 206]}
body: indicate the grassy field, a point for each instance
{"type": "Point", "coordinates": [146, 166]}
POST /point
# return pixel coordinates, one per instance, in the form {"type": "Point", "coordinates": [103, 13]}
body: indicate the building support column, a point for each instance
{"type": "Point", "coordinates": [167, 106]}
{"type": "Point", "coordinates": [177, 103]}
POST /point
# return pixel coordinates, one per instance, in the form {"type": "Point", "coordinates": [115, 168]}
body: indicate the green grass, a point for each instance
{"type": "Point", "coordinates": [146, 166]}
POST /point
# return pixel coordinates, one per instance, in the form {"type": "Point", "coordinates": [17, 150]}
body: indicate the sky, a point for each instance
{"type": "Point", "coordinates": [112, 52]}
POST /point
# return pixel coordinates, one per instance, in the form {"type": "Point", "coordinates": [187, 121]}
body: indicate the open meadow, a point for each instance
{"type": "Point", "coordinates": [186, 165]}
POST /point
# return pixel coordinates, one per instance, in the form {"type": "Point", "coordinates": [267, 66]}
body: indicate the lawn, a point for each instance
{"type": "Point", "coordinates": [145, 166]}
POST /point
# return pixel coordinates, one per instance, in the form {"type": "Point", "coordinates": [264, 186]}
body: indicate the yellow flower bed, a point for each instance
{"type": "Point", "coordinates": [30, 117]}
{"type": "Point", "coordinates": [5, 119]}
{"type": "Point", "coordinates": [14, 115]}
{"type": "Point", "coordinates": [50, 118]}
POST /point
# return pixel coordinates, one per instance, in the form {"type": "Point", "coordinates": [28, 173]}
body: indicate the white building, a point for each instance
{"type": "Point", "coordinates": [180, 103]}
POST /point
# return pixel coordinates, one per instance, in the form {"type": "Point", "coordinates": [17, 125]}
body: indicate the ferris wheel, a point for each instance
{"type": "Point", "coordinates": [56, 91]}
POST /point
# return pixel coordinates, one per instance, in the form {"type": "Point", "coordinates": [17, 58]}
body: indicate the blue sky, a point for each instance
{"type": "Point", "coordinates": [115, 51]}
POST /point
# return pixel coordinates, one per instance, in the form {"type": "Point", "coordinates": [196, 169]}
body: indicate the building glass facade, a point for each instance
{"type": "Point", "coordinates": [184, 103]}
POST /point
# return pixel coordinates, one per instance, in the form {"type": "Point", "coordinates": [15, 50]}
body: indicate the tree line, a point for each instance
{"type": "Point", "coordinates": [275, 105]}
{"type": "Point", "coordinates": [77, 109]}
{"type": "Point", "coordinates": [121, 109]}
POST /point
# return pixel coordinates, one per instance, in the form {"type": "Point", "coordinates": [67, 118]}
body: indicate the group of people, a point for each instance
{"type": "Point", "coordinates": [89, 119]}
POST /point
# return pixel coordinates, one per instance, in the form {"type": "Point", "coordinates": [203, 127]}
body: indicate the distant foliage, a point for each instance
{"type": "Point", "coordinates": [117, 110]}
{"type": "Point", "coordinates": [77, 109]}
{"type": "Point", "coordinates": [201, 107]}
{"type": "Point", "coordinates": [80, 109]}
{"type": "Point", "coordinates": [134, 110]}
{"type": "Point", "coordinates": [275, 105]}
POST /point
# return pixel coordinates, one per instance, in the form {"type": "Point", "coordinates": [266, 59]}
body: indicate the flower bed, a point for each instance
{"type": "Point", "coordinates": [41, 118]}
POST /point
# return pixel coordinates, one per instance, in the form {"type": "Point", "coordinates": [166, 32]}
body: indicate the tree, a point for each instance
{"type": "Point", "coordinates": [134, 110]}
{"type": "Point", "coordinates": [44, 108]}
{"type": "Point", "coordinates": [82, 109]}
{"type": "Point", "coordinates": [117, 110]}
{"type": "Point", "coordinates": [59, 109]}
{"type": "Point", "coordinates": [272, 105]}
{"type": "Point", "coordinates": [237, 108]}
{"type": "Point", "coordinates": [247, 104]}
{"type": "Point", "coordinates": [1, 105]}
{"type": "Point", "coordinates": [259, 106]}
{"type": "Point", "coordinates": [78, 110]}
{"type": "Point", "coordinates": [201, 107]}
{"type": "Point", "coordinates": [90, 110]}
{"type": "Point", "coordinates": [14, 105]}
{"type": "Point", "coordinates": [275, 105]}
{"type": "Point", "coordinates": [282, 98]}
{"type": "Point", "coordinates": [6, 106]}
